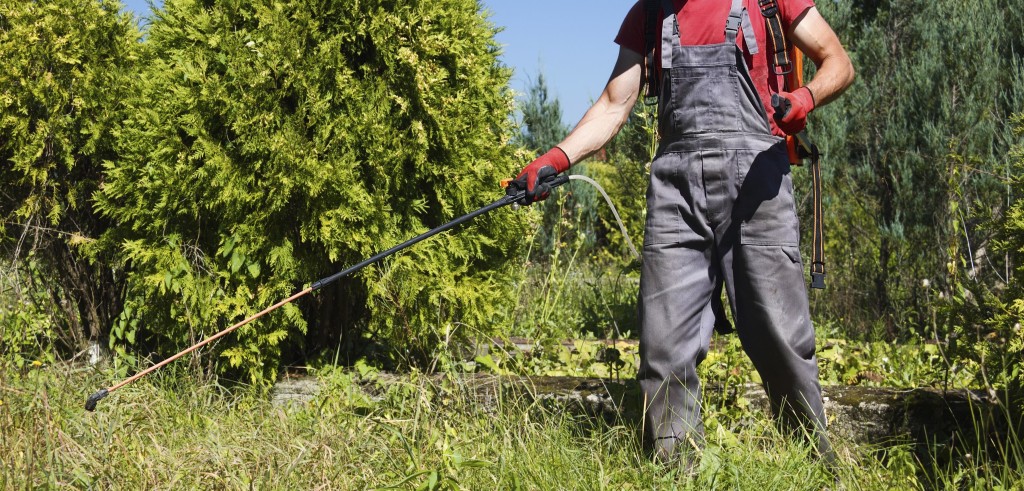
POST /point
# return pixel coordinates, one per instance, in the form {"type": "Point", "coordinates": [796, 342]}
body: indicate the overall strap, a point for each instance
{"type": "Point", "coordinates": [669, 33]}
{"type": "Point", "coordinates": [749, 36]}
{"type": "Point", "coordinates": [732, 24]}
{"type": "Point", "coordinates": [669, 36]}
{"type": "Point", "coordinates": [739, 17]}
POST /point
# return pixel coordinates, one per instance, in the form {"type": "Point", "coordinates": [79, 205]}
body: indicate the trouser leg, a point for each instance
{"type": "Point", "coordinates": [676, 284]}
{"type": "Point", "coordinates": [776, 332]}
{"type": "Point", "coordinates": [747, 196]}
{"type": "Point", "coordinates": [769, 294]}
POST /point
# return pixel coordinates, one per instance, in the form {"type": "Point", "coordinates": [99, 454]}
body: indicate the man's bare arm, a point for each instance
{"type": "Point", "coordinates": [812, 34]}
{"type": "Point", "coordinates": [605, 118]}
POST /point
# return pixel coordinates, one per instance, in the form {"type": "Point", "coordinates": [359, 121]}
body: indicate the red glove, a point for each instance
{"type": "Point", "coordinates": [532, 177]}
{"type": "Point", "coordinates": [793, 119]}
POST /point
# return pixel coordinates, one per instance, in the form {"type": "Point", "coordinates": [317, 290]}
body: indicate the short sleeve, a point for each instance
{"type": "Point", "coordinates": [631, 33]}
{"type": "Point", "coordinates": [792, 9]}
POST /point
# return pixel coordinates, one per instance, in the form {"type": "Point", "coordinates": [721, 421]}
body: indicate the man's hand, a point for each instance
{"type": "Point", "coordinates": [794, 120]}
{"type": "Point", "coordinates": [532, 177]}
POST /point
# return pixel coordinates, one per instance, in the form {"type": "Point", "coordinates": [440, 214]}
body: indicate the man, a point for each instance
{"type": "Point", "coordinates": [720, 203]}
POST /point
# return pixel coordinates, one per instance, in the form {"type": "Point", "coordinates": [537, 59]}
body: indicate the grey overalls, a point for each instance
{"type": "Point", "coordinates": [720, 207]}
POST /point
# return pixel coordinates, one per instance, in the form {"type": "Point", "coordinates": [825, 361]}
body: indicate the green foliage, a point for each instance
{"type": "Point", "coordinates": [882, 364]}
{"type": "Point", "coordinates": [548, 289]}
{"type": "Point", "coordinates": [622, 170]}
{"type": "Point", "coordinates": [27, 334]}
{"type": "Point", "coordinates": [66, 70]}
{"type": "Point", "coordinates": [1009, 315]}
{"type": "Point", "coordinates": [984, 317]}
{"type": "Point", "coordinates": [841, 362]}
{"type": "Point", "coordinates": [582, 277]}
{"type": "Point", "coordinates": [276, 143]}
{"type": "Point", "coordinates": [579, 288]}
{"type": "Point", "coordinates": [935, 78]}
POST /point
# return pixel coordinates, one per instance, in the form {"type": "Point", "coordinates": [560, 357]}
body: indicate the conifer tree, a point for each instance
{"type": "Point", "coordinates": [1006, 318]}
{"type": "Point", "coordinates": [542, 118]}
{"type": "Point", "coordinates": [276, 142]}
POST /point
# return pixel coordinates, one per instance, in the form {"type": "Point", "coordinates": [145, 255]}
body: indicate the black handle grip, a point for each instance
{"type": "Point", "coordinates": [515, 195]}
{"type": "Point", "coordinates": [90, 404]}
{"type": "Point", "coordinates": [781, 106]}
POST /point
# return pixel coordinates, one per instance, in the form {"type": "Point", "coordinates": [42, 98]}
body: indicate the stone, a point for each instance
{"type": "Point", "coordinates": [863, 415]}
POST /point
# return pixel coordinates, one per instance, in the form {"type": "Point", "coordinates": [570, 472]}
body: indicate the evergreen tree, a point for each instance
{"type": "Point", "coordinates": [66, 70]}
{"type": "Point", "coordinates": [935, 79]}
{"type": "Point", "coordinates": [542, 118]}
{"type": "Point", "coordinates": [276, 142]}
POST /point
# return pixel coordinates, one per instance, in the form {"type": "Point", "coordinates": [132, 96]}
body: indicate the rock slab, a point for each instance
{"type": "Point", "coordinates": [858, 414]}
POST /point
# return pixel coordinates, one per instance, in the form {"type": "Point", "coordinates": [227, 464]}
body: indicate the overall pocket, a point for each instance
{"type": "Point", "coordinates": [707, 99]}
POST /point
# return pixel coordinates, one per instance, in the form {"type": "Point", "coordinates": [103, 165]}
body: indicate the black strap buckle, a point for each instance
{"type": "Point", "coordinates": [818, 281]}
{"type": "Point", "coordinates": [768, 8]}
{"type": "Point", "coordinates": [786, 69]}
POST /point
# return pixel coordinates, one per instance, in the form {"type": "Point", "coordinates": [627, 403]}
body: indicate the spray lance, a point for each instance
{"type": "Point", "coordinates": [512, 195]}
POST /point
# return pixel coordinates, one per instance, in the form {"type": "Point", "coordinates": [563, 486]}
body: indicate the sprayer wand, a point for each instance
{"type": "Point", "coordinates": [512, 195]}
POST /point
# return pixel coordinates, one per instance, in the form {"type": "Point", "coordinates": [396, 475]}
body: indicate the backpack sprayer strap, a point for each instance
{"type": "Point", "coordinates": [800, 148]}
{"type": "Point", "coordinates": [788, 61]}
{"type": "Point", "coordinates": [818, 232]}
{"type": "Point", "coordinates": [649, 85]}
{"type": "Point", "coordinates": [782, 63]}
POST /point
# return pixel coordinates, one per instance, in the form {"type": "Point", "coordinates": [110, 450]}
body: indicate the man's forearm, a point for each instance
{"type": "Point", "coordinates": [833, 77]}
{"type": "Point", "coordinates": [598, 126]}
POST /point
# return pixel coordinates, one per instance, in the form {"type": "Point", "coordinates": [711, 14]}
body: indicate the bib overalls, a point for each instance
{"type": "Point", "coordinates": [720, 207]}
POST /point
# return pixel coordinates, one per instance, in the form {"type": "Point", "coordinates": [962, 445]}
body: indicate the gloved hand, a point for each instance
{"type": "Point", "coordinates": [794, 120]}
{"type": "Point", "coordinates": [531, 178]}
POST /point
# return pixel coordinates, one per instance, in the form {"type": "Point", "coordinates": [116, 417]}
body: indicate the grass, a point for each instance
{"type": "Point", "coordinates": [174, 430]}
{"type": "Point", "coordinates": [169, 431]}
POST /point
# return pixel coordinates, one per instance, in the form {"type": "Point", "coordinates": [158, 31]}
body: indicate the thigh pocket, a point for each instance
{"type": "Point", "coordinates": [793, 253]}
{"type": "Point", "coordinates": [765, 207]}
{"type": "Point", "coordinates": [670, 199]}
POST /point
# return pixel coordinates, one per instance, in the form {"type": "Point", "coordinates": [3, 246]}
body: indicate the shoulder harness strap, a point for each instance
{"type": "Point", "coordinates": [651, 28]}
{"type": "Point", "coordinates": [781, 62]}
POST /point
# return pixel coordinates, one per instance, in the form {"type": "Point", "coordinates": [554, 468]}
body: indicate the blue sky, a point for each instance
{"type": "Point", "coordinates": [569, 41]}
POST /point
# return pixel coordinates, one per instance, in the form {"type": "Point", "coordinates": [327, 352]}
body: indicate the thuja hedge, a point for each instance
{"type": "Point", "coordinates": [65, 67]}
{"type": "Point", "coordinates": [272, 143]}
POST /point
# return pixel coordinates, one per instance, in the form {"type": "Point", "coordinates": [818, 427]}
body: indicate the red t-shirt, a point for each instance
{"type": "Point", "coordinates": [703, 22]}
